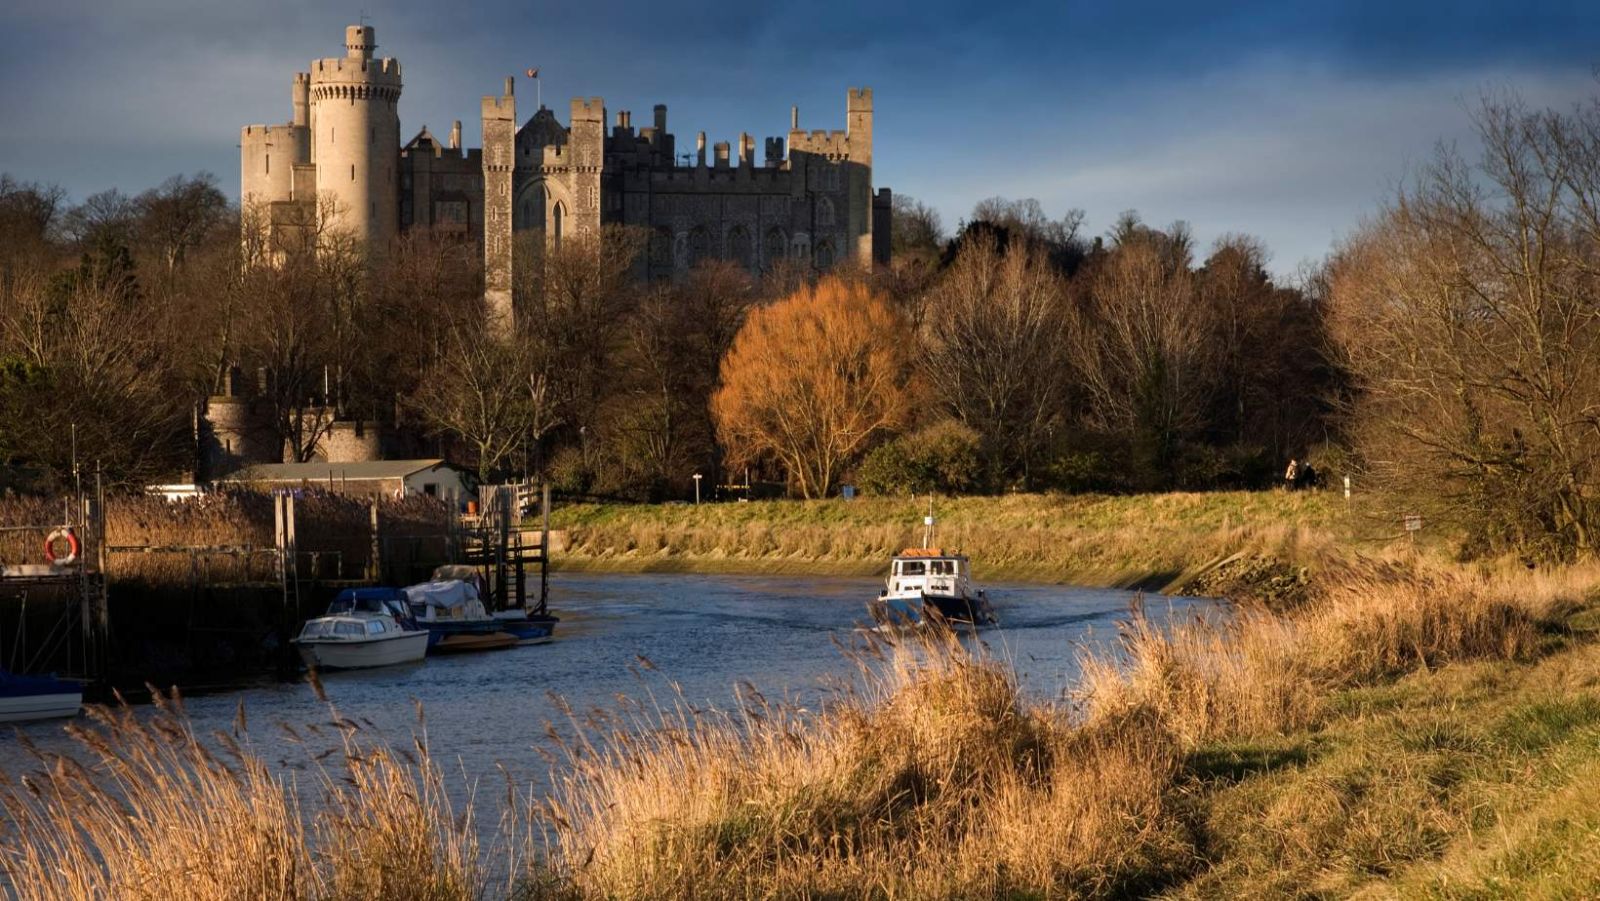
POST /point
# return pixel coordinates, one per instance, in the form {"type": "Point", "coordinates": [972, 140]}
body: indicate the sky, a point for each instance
{"type": "Point", "coordinates": [1287, 121]}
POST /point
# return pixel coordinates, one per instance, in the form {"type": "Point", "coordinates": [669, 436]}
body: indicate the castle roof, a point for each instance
{"type": "Point", "coordinates": [369, 471]}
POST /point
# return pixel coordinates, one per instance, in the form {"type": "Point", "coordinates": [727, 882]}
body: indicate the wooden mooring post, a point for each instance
{"type": "Point", "coordinates": [289, 579]}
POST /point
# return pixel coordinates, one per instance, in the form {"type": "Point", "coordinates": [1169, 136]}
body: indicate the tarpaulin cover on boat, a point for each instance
{"type": "Point", "coordinates": [444, 594]}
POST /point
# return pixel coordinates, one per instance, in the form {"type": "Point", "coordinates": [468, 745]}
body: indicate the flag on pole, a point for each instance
{"type": "Point", "coordinates": [533, 73]}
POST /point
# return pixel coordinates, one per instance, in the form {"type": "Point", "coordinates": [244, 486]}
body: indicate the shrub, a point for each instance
{"type": "Point", "coordinates": [944, 458]}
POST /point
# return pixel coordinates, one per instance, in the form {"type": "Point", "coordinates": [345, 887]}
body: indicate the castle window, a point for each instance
{"type": "Point", "coordinates": [269, 164]}
{"type": "Point", "coordinates": [824, 255]}
{"type": "Point", "coordinates": [699, 245]}
{"type": "Point", "coordinates": [352, 171]}
{"type": "Point", "coordinates": [777, 246]}
{"type": "Point", "coordinates": [741, 249]}
{"type": "Point", "coordinates": [824, 212]}
{"type": "Point", "coordinates": [556, 217]}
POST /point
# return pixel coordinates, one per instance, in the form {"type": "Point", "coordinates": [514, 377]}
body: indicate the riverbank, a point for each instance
{"type": "Point", "coordinates": [1161, 542]}
{"type": "Point", "coordinates": [1408, 729]}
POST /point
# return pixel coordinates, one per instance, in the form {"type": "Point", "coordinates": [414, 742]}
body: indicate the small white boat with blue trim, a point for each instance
{"type": "Point", "coordinates": [27, 698]}
{"type": "Point", "coordinates": [931, 584]}
{"type": "Point", "coordinates": [364, 628]}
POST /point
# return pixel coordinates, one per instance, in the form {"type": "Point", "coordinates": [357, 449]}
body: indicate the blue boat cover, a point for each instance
{"type": "Point", "coordinates": [14, 686]}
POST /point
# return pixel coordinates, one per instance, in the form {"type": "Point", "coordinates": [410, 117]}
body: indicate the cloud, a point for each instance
{"type": "Point", "coordinates": [1294, 153]}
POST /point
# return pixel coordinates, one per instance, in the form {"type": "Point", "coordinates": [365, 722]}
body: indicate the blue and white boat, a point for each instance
{"type": "Point", "coordinates": [452, 612]}
{"type": "Point", "coordinates": [928, 584]}
{"type": "Point", "coordinates": [27, 698]}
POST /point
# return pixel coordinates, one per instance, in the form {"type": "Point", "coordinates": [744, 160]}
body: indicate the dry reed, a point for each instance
{"type": "Point", "coordinates": [154, 811]}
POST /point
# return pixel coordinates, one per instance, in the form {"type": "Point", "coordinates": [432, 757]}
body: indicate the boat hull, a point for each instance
{"type": "Point", "coordinates": [406, 647]}
{"type": "Point", "coordinates": [466, 642]}
{"type": "Point", "coordinates": [30, 707]}
{"type": "Point", "coordinates": [530, 629]}
{"type": "Point", "coordinates": [919, 609]}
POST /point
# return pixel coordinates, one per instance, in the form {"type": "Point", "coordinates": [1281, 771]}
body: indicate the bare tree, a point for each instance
{"type": "Point", "coordinates": [993, 349]}
{"type": "Point", "coordinates": [1469, 314]}
{"type": "Point", "coordinates": [916, 230]}
{"type": "Point", "coordinates": [1141, 351]}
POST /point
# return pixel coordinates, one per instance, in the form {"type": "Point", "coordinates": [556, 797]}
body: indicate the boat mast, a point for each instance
{"type": "Point", "coordinates": [927, 526]}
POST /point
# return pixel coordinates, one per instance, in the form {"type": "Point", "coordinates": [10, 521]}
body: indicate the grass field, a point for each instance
{"type": "Point", "coordinates": [1150, 541]}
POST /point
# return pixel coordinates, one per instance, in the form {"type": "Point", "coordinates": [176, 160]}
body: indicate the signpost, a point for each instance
{"type": "Point", "coordinates": [697, 478]}
{"type": "Point", "coordinates": [1413, 524]}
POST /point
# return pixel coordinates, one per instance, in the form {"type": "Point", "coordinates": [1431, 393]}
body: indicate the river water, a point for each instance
{"type": "Point", "coordinates": [703, 633]}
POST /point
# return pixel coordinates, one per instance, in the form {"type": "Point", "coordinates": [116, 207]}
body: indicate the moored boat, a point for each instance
{"type": "Point", "coordinates": [363, 628]}
{"type": "Point", "coordinates": [454, 615]}
{"type": "Point", "coordinates": [27, 698]}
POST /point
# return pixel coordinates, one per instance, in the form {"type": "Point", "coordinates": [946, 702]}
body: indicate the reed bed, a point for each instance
{"type": "Point", "coordinates": [150, 810]}
{"type": "Point", "coordinates": [227, 537]}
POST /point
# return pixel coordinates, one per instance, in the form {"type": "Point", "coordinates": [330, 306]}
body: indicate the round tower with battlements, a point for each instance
{"type": "Point", "coordinates": [355, 145]}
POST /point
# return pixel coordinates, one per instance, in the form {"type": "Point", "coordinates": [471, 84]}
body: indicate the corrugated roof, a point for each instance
{"type": "Point", "coordinates": [373, 470]}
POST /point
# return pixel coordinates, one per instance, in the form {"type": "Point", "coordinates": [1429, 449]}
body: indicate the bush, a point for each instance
{"type": "Point", "coordinates": [942, 457]}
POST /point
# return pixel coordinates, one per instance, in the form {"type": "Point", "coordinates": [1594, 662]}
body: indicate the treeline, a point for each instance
{"type": "Point", "coordinates": [1033, 358]}
{"type": "Point", "coordinates": [1447, 353]}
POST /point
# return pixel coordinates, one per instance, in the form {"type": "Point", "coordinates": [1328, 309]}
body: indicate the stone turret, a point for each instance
{"type": "Point", "coordinates": [355, 124]}
{"type": "Point", "coordinates": [499, 166]}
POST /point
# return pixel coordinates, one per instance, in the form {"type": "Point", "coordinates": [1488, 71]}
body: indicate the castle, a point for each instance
{"type": "Point", "coordinates": [339, 162]}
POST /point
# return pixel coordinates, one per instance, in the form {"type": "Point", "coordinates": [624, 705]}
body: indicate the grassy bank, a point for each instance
{"type": "Point", "coordinates": [1403, 729]}
{"type": "Point", "coordinates": [1151, 541]}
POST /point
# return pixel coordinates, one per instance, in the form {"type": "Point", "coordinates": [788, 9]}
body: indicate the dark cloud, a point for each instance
{"type": "Point", "coordinates": [1283, 119]}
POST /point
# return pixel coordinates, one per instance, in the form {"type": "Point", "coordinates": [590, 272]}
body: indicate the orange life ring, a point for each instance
{"type": "Point", "coordinates": [73, 547]}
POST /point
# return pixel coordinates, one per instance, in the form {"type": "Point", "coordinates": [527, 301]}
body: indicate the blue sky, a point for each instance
{"type": "Point", "coordinates": [1285, 121]}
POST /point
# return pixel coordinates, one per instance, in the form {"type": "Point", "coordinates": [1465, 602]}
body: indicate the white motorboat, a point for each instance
{"type": "Point", "coordinates": [28, 698]}
{"type": "Point", "coordinates": [363, 628]}
{"type": "Point", "coordinates": [931, 584]}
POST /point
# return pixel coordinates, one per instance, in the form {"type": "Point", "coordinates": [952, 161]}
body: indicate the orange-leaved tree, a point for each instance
{"type": "Point", "coordinates": [811, 379]}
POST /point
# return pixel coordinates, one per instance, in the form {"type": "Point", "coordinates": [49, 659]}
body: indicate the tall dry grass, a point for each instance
{"type": "Point", "coordinates": [937, 779]}
{"type": "Point", "coordinates": [150, 810]}
{"type": "Point", "coordinates": [1260, 671]}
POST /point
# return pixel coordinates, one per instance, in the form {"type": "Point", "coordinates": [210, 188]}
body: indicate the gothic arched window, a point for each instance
{"type": "Point", "coordinates": [824, 254]}
{"type": "Point", "coordinates": [556, 217]}
{"type": "Point", "coordinates": [699, 245]}
{"type": "Point", "coordinates": [776, 246]}
{"type": "Point", "coordinates": [741, 249]}
{"type": "Point", "coordinates": [824, 212]}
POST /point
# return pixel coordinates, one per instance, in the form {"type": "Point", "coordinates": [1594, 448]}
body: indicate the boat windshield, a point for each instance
{"type": "Point", "coordinates": [316, 628]}
{"type": "Point", "coordinates": [347, 629]}
{"type": "Point", "coordinates": [913, 568]}
{"type": "Point", "coordinates": [942, 567]}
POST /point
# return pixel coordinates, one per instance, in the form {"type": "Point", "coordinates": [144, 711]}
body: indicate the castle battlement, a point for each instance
{"type": "Point", "coordinates": [375, 69]}
{"type": "Point", "coordinates": [257, 132]}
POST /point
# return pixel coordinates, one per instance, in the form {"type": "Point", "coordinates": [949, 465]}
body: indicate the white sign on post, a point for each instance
{"type": "Point", "coordinates": [1413, 522]}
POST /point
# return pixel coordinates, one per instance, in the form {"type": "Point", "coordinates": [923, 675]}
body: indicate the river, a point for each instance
{"type": "Point", "coordinates": [702, 632]}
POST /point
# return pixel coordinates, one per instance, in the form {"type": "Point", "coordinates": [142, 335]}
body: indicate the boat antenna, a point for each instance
{"type": "Point", "coordinates": [927, 525]}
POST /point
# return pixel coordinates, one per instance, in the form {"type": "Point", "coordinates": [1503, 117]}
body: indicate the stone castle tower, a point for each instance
{"type": "Point", "coordinates": [340, 150]}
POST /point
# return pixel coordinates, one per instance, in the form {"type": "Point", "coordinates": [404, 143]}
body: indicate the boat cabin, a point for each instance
{"type": "Point", "coordinates": [929, 570]}
{"type": "Point", "coordinates": [348, 628]}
